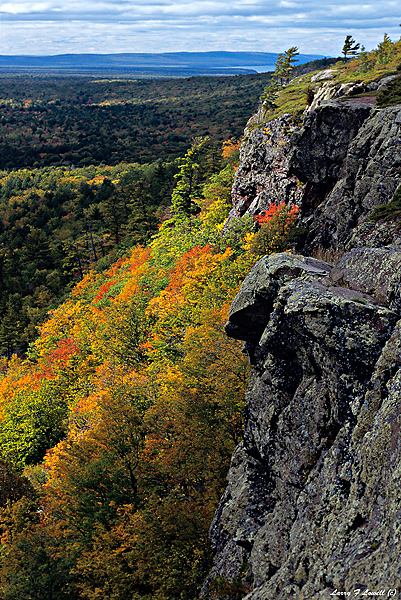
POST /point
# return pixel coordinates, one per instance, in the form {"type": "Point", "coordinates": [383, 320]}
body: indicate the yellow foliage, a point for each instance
{"type": "Point", "coordinates": [213, 218]}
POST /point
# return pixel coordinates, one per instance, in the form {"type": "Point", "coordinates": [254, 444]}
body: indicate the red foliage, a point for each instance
{"type": "Point", "coordinates": [103, 289]}
{"type": "Point", "coordinates": [277, 209]}
{"type": "Point", "coordinates": [59, 356]}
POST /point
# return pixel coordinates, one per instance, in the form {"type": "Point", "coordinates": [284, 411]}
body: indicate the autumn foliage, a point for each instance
{"type": "Point", "coordinates": [276, 225]}
{"type": "Point", "coordinates": [124, 415]}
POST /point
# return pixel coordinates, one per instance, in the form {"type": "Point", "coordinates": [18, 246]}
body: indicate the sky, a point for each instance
{"type": "Point", "coordinates": [46, 27]}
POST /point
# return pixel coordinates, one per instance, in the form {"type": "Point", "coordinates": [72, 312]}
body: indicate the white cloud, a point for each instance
{"type": "Point", "coordinates": [16, 8]}
{"type": "Point", "coordinates": [61, 26]}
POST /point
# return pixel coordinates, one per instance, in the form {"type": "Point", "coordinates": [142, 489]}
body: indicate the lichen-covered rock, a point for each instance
{"type": "Point", "coordinates": [331, 91]}
{"type": "Point", "coordinates": [375, 234]}
{"type": "Point", "coordinates": [369, 176]}
{"type": "Point", "coordinates": [327, 74]}
{"type": "Point", "coordinates": [250, 310]}
{"type": "Point", "coordinates": [376, 272]}
{"type": "Point", "coordinates": [313, 502]}
{"type": "Point", "coordinates": [235, 514]}
{"type": "Point", "coordinates": [320, 147]}
{"type": "Point", "coordinates": [334, 91]}
{"type": "Point", "coordinates": [262, 177]}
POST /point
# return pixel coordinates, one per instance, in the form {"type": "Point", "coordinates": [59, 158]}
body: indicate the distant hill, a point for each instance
{"type": "Point", "coordinates": [168, 64]}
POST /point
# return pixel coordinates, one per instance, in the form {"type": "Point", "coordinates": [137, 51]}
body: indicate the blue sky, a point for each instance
{"type": "Point", "coordinates": [110, 26]}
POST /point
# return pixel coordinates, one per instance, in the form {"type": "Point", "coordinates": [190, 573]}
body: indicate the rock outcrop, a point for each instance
{"type": "Point", "coordinates": [263, 175]}
{"type": "Point", "coordinates": [363, 176]}
{"type": "Point", "coordinates": [313, 504]}
{"type": "Point", "coordinates": [341, 162]}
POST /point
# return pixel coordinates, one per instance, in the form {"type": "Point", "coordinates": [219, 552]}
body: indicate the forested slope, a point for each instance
{"type": "Point", "coordinates": [58, 223]}
{"type": "Point", "coordinates": [133, 396]}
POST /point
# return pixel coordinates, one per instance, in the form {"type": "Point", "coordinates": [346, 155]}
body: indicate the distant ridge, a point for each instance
{"type": "Point", "coordinates": [147, 64]}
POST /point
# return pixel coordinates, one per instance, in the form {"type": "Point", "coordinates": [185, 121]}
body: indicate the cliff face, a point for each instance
{"type": "Point", "coordinates": [313, 500]}
{"type": "Point", "coordinates": [263, 175]}
{"type": "Point", "coordinates": [342, 162]}
{"type": "Point", "coordinates": [313, 505]}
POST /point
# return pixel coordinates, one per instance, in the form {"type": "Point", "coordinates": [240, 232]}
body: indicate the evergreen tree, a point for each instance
{"type": "Point", "coordinates": [188, 187]}
{"type": "Point", "coordinates": [268, 98]}
{"type": "Point", "coordinates": [12, 326]}
{"type": "Point", "coordinates": [350, 47]}
{"type": "Point", "coordinates": [289, 61]}
{"type": "Point", "coordinates": [142, 222]}
{"type": "Point", "coordinates": [279, 69]}
{"type": "Point", "coordinates": [285, 64]}
{"type": "Point", "coordinates": [113, 208]}
{"type": "Point", "coordinates": [384, 50]}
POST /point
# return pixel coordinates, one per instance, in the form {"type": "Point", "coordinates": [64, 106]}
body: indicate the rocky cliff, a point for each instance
{"type": "Point", "coordinates": [313, 507]}
{"type": "Point", "coordinates": [338, 164]}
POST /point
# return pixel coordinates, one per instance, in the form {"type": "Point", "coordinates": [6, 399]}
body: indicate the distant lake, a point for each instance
{"type": "Point", "coordinates": [257, 68]}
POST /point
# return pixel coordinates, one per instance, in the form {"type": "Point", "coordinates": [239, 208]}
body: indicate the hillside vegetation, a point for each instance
{"type": "Point", "coordinates": [366, 67]}
{"type": "Point", "coordinates": [118, 422]}
{"type": "Point", "coordinates": [132, 397]}
{"type": "Point", "coordinates": [56, 224]}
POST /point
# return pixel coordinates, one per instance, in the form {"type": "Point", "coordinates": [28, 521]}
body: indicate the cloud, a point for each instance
{"type": "Point", "coordinates": [163, 25]}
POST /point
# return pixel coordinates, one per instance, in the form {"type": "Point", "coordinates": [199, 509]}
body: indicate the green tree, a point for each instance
{"type": "Point", "coordinates": [142, 223]}
{"type": "Point", "coordinates": [289, 61]}
{"type": "Point", "coordinates": [285, 64]}
{"type": "Point", "coordinates": [33, 563]}
{"type": "Point", "coordinates": [33, 421]}
{"type": "Point", "coordinates": [279, 69]}
{"type": "Point", "coordinates": [74, 259]}
{"type": "Point", "coordinates": [188, 188]}
{"type": "Point", "coordinates": [350, 47]}
{"type": "Point", "coordinates": [384, 50]}
{"type": "Point", "coordinates": [13, 486]}
{"type": "Point", "coordinates": [37, 249]}
{"type": "Point", "coordinates": [366, 60]}
{"type": "Point", "coordinates": [268, 98]}
{"type": "Point", "coordinates": [113, 208]}
{"type": "Point", "coordinates": [12, 326]}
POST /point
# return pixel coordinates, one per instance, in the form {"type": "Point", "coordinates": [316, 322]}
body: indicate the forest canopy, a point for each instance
{"type": "Point", "coordinates": [84, 121]}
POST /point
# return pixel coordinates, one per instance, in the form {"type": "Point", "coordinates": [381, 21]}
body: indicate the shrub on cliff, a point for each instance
{"type": "Point", "coordinates": [390, 211]}
{"type": "Point", "coordinates": [277, 227]}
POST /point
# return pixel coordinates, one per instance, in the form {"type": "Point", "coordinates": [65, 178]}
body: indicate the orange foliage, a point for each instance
{"type": "Point", "coordinates": [277, 209]}
{"type": "Point", "coordinates": [58, 357]}
{"type": "Point", "coordinates": [20, 376]}
{"type": "Point", "coordinates": [230, 147]}
{"type": "Point", "coordinates": [155, 395]}
{"type": "Point", "coordinates": [104, 289]}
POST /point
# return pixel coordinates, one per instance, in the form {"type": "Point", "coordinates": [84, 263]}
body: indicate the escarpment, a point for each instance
{"type": "Point", "coordinates": [313, 506]}
{"type": "Point", "coordinates": [313, 501]}
{"type": "Point", "coordinates": [263, 175]}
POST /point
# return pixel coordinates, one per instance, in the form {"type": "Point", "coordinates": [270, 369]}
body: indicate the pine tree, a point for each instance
{"type": "Point", "coordinates": [384, 50]}
{"type": "Point", "coordinates": [289, 61]}
{"type": "Point", "coordinates": [268, 98]}
{"type": "Point", "coordinates": [350, 47]}
{"type": "Point", "coordinates": [285, 64]}
{"type": "Point", "coordinates": [279, 72]}
{"type": "Point", "coordinates": [188, 187]}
